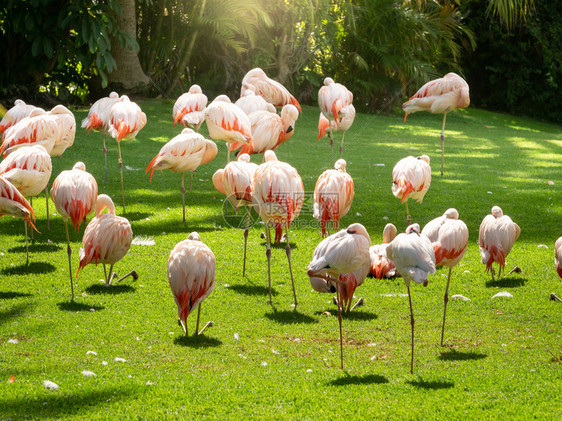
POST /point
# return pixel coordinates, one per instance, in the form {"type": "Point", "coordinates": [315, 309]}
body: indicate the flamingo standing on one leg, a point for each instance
{"type": "Point", "coordinates": [74, 193]}
{"type": "Point", "coordinates": [277, 196]}
{"type": "Point", "coordinates": [440, 96]}
{"type": "Point", "coordinates": [189, 108]}
{"type": "Point", "coordinates": [185, 152]}
{"type": "Point", "coordinates": [411, 178]}
{"type": "Point", "coordinates": [332, 99]}
{"type": "Point", "coordinates": [235, 181]}
{"type": "Point", "coordinates": [19, 111]}
{"type": "Point", "coordinates": [226, 121]}
{"type": "Point", "coordinates": [272, 91]}
{"type": "Point", "coordinates": [28, 168]}
{"type": "Point", "coordinates": [98, 119]}
{"type": "Point", "coordinates": [107, 239]}
{"type": "Point", "coordinates": [381, 266]}
{"type": "Point", "coordinates": [449, 236]}
{"type": "Point", "coordinates": [269, 130]}
{"type": "Point", "coordinates": [191, 273]}
{"type": "Point", "coordinates": [413, 256]}
{"type": "Point", "coordinates": [341, 253]}
{"type": "Point", "coordinates": [333, 195]}
{"type": "Point", "coordinates": [250, 102]}
{"type": "Point", "coordinates": [496, 237]}
{"type": "Point", "coordinates": [325, 125]}
{"type": "Point", "coordinates": [14, 204]}
{"type": "Point", "coordinates": [126, 120]}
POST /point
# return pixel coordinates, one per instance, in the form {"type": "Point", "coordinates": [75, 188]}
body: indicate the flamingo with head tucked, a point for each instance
{"type": "Point", "coordinates": [250, 102]}
{"type": "Point", "coordinates": [189, 108]}
{"type": "Point", "coordinates": [440, 96]}
{"type": "Point", "coordinates": [19, 111]}
{"type": "Point", "coordinates": [411, 178]}
{"type": "Point", "coordinates": [272, 91]}
{"type": "Point", "coordinates": [449, 236]}
{"type": "Point", "coordinates": [381, 266]}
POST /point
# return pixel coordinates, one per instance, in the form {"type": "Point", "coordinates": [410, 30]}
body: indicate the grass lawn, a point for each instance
{"type": "Point", "coordinates": [502, 357]}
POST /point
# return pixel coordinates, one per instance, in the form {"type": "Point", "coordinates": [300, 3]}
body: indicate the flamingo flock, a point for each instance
{"type": "Point", "coordinates": [273, 189]}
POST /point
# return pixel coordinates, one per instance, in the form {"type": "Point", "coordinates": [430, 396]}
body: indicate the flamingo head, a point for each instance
{"type": "Point", "coordinates": [497, 212]}
{"type": "Point", "coordinates": [451, 213]}
{"type": "Point", "coordinates": [340, 165]}
{"type": "Point", "coordinates": [194, 236]}
{"type": "Point", "coordinates": [79, 166]}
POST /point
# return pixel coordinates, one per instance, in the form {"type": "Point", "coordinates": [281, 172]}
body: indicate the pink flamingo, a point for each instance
{"type": "Point", "coordinates": [381, 266]}
{"type": "Point", "coordinates": [250, 102]}
{"type": "Point", "coordinates": [449, 236]}
{"type": "Point", "coordinates": [14, 204]}
{"type": "Point", "coordinates": [496, 237]}
{"type": "Point", "coordinates": [19, 111]}
{"type": "Point", "coordinates": [191, 274]}
{"type": "Point", "coordinates": [558, 256]}
{"type": "Point", "coordinates": [414, 258]}
{"type": "Point", "coordinates": [107, 239]}
{"type": "Point", "coordinates": [277, 196]}
{"type": "Point", "coordinates": [39, 128]}
{"type": "Point", "coordinates": [74, 193]}
{"type": "Point", "coordinates": [411, 178]}
{"type": "Point", "coordinates": [325, 125]}
{"type": "Point", "coordinates": [440, 96]}
{"type": "Point", "coordinates": [341, 253]}
{"type": "Point", "coordinates": [272, 91]}
{"type": "Point", "coordinates": [185, 152]}
{"type": "Point", "coordinates": [226, 121]}
{"type": "Point", "coordinates": [126, 120]}
{"type": "Point", "coordinates": [333, 195]}
{"type": "Point", "coordinates": [235, 181]}
{"type": "Point", "coordinates": [189, 108]}
{"type": "Point", "coordinates": [98, 119]}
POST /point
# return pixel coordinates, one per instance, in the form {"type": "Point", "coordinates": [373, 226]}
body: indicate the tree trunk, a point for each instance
{"type": "Point", "coordinates": [129, 75]}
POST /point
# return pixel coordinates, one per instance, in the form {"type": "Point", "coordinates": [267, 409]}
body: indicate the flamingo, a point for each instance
{"type": "Point", "coordinates": [278, 196]}
{"type": "Point", "coordinates": [14, 204]}
{"type": "Point", "coordinates": [98, 119]}
{"type": "Point", "coordinates": [191, 274]}
{"type": "Point", "coordinates": [189, 108]}
{"type": "Point", "coordinates": [250, 102]}
{"type": "Point", "coordinates": [227, 122]}
{"type": "Point", "coordinates": [19, 111]}
{"type": "Point", "coordinates": [269, 130]}
{"type": "Point", "coordinates": [440, 96]}
{"type": "Point", "coordinates": [332, 98]}
{"type": "Point", "coordinates": [185, 152]}
{"type": "Point", "coordinates": [411, 178]}
{"type": "Point", "coordinates": [271, 90]}
{"type": "Point", "coordinates": [449, 236]}
{"type": "Point", "coordinates": [413, 256]}
{"type": "Point", "coordinates": [324, 124]}
{"type": "Point", "coordinates": [333, 195]}
{"type": "Point", "coordinates": [341, 253]}
{"type": "Point", "coordinates": [496, 237]}
{"type": "Point", "coordinates": [381, 266]}
{"type": "Point", "coordinates": [39, 128]}
{"type": "Point", "coordinates": [126, 120]}
{"type": "Point", "coordinates": [107, 239]}
{"type": "Point", "coordinates": [558, 256]}
{"type": "Point", "coordinates": [235, 181]}
{"type": "Point", "coordinates": [74, 193]}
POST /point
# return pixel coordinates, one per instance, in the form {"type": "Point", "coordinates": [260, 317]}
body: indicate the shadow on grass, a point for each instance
{"type": "Point", "coordinates": [7, 295]}
{"type": "Point", "coordinates": [431, 384]}
{"type": "Point", "coordinates": [60, 404]}
{"type": "Point", "coordinates": [13, 313]}
{"type": "Point", "coordinates": [136, 216]}
{"type": "Point", "coordinates": [253, 290]}
{"type": "Point", "coordinates": [109, 290]}
{"type": "Point", "coordinates": [32, 267]}
{"type": "Point", "coordinates": [352, 315]}
{"type": "Point", "coordinates": [74, 306]}
{"type": "Point", "coordinates": [36, 248]}
{"type": "Point", "coordinates": [366, 379]}
{"type": "Point", "coordinates": [453, 355]}
{"type": "Point", "coordinates": [197, 341]}
{"type": "Point", "coordinates": [510, 282]}
{"type": "Point", "coordinates": [289, 317]}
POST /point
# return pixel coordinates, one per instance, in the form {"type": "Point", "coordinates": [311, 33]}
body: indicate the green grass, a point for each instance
{"type": "Point", "coordinates": [502, 358]}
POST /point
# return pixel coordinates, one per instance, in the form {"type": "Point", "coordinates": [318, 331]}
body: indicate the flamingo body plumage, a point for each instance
{"type": "Point", "coordinates": [271, 90]}
{"type": "Point", "coordinates": [19, 111]}
{"type": "Point", "coordinates": [250, 102]}
{"type": "Point", "coordinates": [381, 266]}
{"type": "Point", "coordinates": [39, 128]}
{"type": "Point", "coordinates": [28, 169]}
{"type": "Point", "coordinates": [99, 116]}
{"type": "Point", "coordinates": [411, 178]}
{"type": "Point", "coordinates": [189, 108]}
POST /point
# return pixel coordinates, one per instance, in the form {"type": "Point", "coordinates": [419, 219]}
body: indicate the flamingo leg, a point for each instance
{"type": "Point", "coordinates": [183, 195]}
{"type": "Point", "coordinates": [105, 273]}
{"type": "Point", "coordinates": [288, 252]}
{"type": "Point", "coordinates": [341, 146]}
{"type": "Point", "coordinates": [331, 144]}
{"type": "Point", "coordinates": [443, 143]}
{"type": "Point", "coordinates": [340, 318]}
{"type": "Point", "coordinates": [105, 157]}
{"type": "Point", "coordinates": [191, 181]}
{"type": "Point", "coordinates": [446, 300]}
{"type": "Point", "coordinates": [121, 169]}
{"type": "Point", "coordinates": [408, 217]}
{"type": "Point", "coordinates": [183, 326]}
{"type": "Point", "coordinates": [31, 203]}
{"type": "Point", "coordinates": [268, 254]}
{"type": "Point", "coordinates": [228, 154]}
{"type": "Point", "coordinates": [69, 251]}
{"type": "Point", "coordinates": [412, 322]}
{"type": "Point", "coordinates": [358, 303]}
{"type": "Point", "coordinates": [198, 316]}
{"type": "Point", "coordinates": [111, 275]}
{"type": "Point", "coordinates": [47, 205]}
{"type": "Point", "coordinates": [26, 245]}
{"type": "Point", "coordinates": [246, 240]}
{"type": "Point", "coordinates": [132, 273]}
